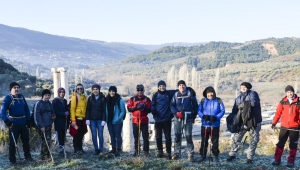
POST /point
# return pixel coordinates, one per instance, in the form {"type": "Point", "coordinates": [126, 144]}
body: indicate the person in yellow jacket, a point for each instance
{"type": "Point", "coordinates": [78, 113]}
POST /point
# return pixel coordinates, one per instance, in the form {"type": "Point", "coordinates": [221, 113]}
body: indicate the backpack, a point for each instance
{"type": "Point", "coordinates": [234, 124]}
{"type": "Point", "coordinates": [32, 122]}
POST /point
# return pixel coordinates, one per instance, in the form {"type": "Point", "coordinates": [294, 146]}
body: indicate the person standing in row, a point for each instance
{"type": "Point", "coordinates": [289, 111]}
{"type": "Point", "coordinates": [96, 117]}
{"type": "Point", "coordinates": [60, 107]}
{"type": "Point", "coordinates": [16, 115]}
{"type": "Point", "coordinates": [140, 105]}
{"type": "Point", "coordinates": [78, 112]}
{"type": "Point", "coordinates": [115, 112]}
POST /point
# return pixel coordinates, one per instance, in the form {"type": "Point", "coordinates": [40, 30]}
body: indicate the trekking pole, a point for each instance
{"type": "Point", "coordinates": [181, 128]}
{"type": "Point", "coordinates": [204, 141]}
{"type": "Point", "coordinates": [48, 146]}
{"type": "Point", "coordinates": [65, 138]}
{"type": "Point", "coordinates": [243, 145]}
{"type": "Point", "coordinates": [139, 131]}
{"type": "Point", "coordinates": [280, 128]}
{"type": "Point", "coordinates": [211, 131]}
{"type": "Point", "coordinates": [12, 134]}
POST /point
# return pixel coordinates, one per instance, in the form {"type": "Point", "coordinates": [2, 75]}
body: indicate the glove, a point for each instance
{"type": "Point", "coordinates": [154, 113]}
{"type": "Point", "coordinates": [240, 106]}
{"type": "Point", "coordinates": [43, 130]}
{"type": "Point", "coordinates": [140, 106]}
{"type": "Point", "coordinates": [87, 122]}
{"type": "Point", "coordinates": [8, 123]}
{"type": "Point", "coordinates": [53, 116]}
{"type": "Point", "coordinates": [179, 115]}
{"type": "Point", "coordinates": [28, 124]}
{"type": "Point", "coordinates": [103, 123]}
{"type": "Point", "coordinates": [273, 126]}
{"type": "Point", "coordinates": [206, 117]}
{"type": "Point", "coordinates": [213, 118]}
{"type": "Point", "coordinates": [66, 113]}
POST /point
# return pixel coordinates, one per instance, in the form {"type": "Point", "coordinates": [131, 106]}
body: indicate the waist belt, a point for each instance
{"type": "Point", "coordinates": [16, 117]}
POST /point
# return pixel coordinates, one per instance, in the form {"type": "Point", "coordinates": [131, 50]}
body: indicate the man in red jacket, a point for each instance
{"type": "Point", "coordinates": [140, 105]}
{"type": "Point", "coordinates": [288, 110]}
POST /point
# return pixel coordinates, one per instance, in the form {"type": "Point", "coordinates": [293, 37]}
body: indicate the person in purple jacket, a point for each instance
{"type": "Point", "coordinates": [211, 109]}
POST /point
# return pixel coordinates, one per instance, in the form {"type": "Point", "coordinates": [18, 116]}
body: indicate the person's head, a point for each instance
{"type": "Point", "coordinates": [61, 92]}
{"type": "Point", "coordinates": [79, 89]}
{"type": "Point", "coordinates": [46, 94]}
{"type": "Point", "coordinates": [161, 85]}
{"type": "Point", "coordinates": [181, 86]}
{"type": "Point", "coordinates": [245, 86]}
{"type": "Point", "coordinates": [14, 88]}
{"type": "Point", "coordinates": [112, 91]}
{"type": "Point", "coordinates": [96, 89]}
{"type": "Point", "coordinates": [289, 91]}
{"type": "Point", "coordinates": [140, 89]}
{"type": "Point", "coordinates": [209, 93]}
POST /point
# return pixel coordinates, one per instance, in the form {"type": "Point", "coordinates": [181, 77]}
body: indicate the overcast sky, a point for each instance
{"type": "Point", "coordinates": [156, 21]}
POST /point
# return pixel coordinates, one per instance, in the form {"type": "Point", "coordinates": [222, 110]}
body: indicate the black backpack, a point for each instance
{"type": "Point", "coordinates": [234, 124]}
{"type": "Point", "coordinates": [32, 122]}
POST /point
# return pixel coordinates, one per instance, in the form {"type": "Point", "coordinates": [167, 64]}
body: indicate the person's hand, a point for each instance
{"type": "Point", "coordinates": [240, 106]}
{"type": "Point", "coordinates": [53, 116]}
{"type": "Point", "coordinates": [87, 122]}
{"type": "Point", "coordinates": [43, 130]}
{"type": "Point", "coordinates": [154, 113]}
{"type": "Point", "coordinates": [103, 123]}
{"type": "Point", "coordinates": [8, 123]}
{"type": "Point", "coordinates": [74, 125]}
{"type": "Point", "coordinates": [66, 113]}
{"type": "Point", "coordinates": [273, 126]}
{"type": "Point", "coordinates": [179, 115]}
{"type": "Point", "coordinates": [213, 118]}
{"type": "Point", "coordinates": [206, 117]}
{"type": "Point", "coordinates": [28, 124]}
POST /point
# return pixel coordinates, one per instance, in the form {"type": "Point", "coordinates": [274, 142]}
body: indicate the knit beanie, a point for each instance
{"type": "Point", "coordinates": [139, 86]}
{"type": "Point", "coordinates": [289, 88]}
{"type": "Point", "coordinates": [45, 91]}
{"type": "Point", "coordinates": [13, 84]}
{"type": "Point", "coordinates": [113, 88]}
{"type": "Point", "coordinates": [60, 89]}
{"type": "Point", "coordinates": [181, 82]}
{"type": "Point", "coordinates": [161, 82]}
{"type": "Point", "coordinates": [97, 86]}
{"type": "Point", "coordinates": [247, 85]}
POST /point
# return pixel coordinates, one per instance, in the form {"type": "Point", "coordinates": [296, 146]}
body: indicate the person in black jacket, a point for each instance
{"type": "Point", "coordinates": [96, 116]}
{"type": "Point", "coordinates": [61, 122]}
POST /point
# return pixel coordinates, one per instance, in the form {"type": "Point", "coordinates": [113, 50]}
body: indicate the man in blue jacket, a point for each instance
{"type": "Point", "coordinates": [211, 109]}
{"type": "Point", "coordinates": [184, 108]}
{"type": "Point", "coordinates": [160, 108]}
{"type": "Point", "coordinates": [16, 115]}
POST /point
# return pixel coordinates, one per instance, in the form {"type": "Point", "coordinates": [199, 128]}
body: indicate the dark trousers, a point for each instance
{"type": "Point", "coordinates": [214, 135]}
{"type": "Point", "coordinates": [166, 128]}
{"type": "Point", "coordinates": [44, 148]}
{"type": "Point", "coordinates": [145, 134]}
{"type": "Point", "coordinates": [61, 135]}
{"type": "Point", "coordinates": [18, 130]}
{"type": "Point", "coordinates": [78, 138]}
{"type": "Point", "coordinates": [284, 135]}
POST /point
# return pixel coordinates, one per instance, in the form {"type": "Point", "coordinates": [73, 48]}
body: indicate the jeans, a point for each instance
{"type": "Point", "coordinates": [115, 131]}
{"type": "Point", "coordinates": [166, 128]}
{"type": "Point", "coordinates": [96, 128]}
{"type": "Point", "coordinates": [188, 127]}
{"type": "Point", "coordinates": [144, 129]}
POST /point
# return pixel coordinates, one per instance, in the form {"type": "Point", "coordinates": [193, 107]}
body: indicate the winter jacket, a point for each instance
{"type": "Point", "coordinates": [96, 109]}
{"type": "Point", "coordinates": [184, 103]}
{"type": "Point", "coordinates": [288, 112]}
{"type": "Point", "coordinates": [253, 97]}
{"type": "Point", "coordinates": [139, 115]}
{"type": "Point", "coordinates": [78, 106]}
{"type": "Point", "coordinates": [60, 107]}
{"type": "Point", "coordinates": [18, 111]}
{"type": "Point", "coordinates": [43, 112]}
{"type": "Point", "coordinates": [119, 111]}
{"type": "Point", "coordinates": [160, 106]}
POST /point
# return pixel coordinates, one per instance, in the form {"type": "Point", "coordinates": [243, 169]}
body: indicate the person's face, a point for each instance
{"type": "Point", "coordinates": [96, 91]}
{"type": "Point", "coordinates": [46, 97]}
{"type": "Point", "coordinates": [15, 90]}
{"type": "Point", "coordinates": [140, 91]}
{"type": "Point", "coordinates": [112, 93]}
{"type": "Point", "coordinates": [79, 89]}
{"type": "Point", "coordinates": [181, 88]}
{"type": "Point", "coordinates": [61, 94]}
{"type": "Point", "coordinates": [289, 94]}
{"type": "Point", "coordinates": [210, 95]}
{"type": "Point", "coordinates": [243, 89]}
{"type": "Point", "coordinates": [161, 88]}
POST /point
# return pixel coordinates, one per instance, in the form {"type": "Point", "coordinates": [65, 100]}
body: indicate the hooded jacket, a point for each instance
{"type": "Point", "coordinates": [96, 108]}
{"type": "Point", "coordinates": [139, 116]}
{"type": "Point", "coordinates": [60, 107]}
{"type": "Point", "coordinates": [211, 107]}
{"type": "Point", "coordinates": [43, 112]}
{"type": "Point", "coordinates": [119, 110]}
{"type": "Point", "coordinates": [161, 105]}
{"type": "Point", "coordinates": [78, 106]}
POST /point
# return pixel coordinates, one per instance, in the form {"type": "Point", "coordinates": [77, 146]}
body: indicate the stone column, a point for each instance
{"type": "Point", "coordinates": [127, 134]}
{"type": "Point", "coordinates": [56, 81]}
{"type": "Point", "coordinates": [64, 81]}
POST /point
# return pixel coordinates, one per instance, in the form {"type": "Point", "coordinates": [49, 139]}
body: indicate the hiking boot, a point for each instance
{"type": "Point", "coordinates": [191, 158]}
{"type": "Point", "coordinates": [159, 154]}
{"type": "Point", "coordinates": [114, 152]}
{"type": "Point", "coordinates": [276, 163]}
{"type": "Point", "coordinates": [13, 163]}
{"type": "Point", "coordinates": [202, 158]}
{"type": "Point", "coordinates": [290, 164]}
{"type": "Point", "coordinates": [97, 152]}
{"type": "Point", "coordinates": [135, 153]}
{"type": "Point", "coordinates": [230, 158]}
{"type": "Point", "coordinates": [215, 159]}
{"type": "Point", "coordinates": [175, 156]}
{"type": "Point", "coordinates": [78, 152]}
{"type": "Point", "coordinates": [169, 156]}
{"type": "Point", "coordinates": [249, 161]}
{"type": "Point", "coordinates": [29, 159]}
{"type": "Point", "coordinates": [147, 154]}
{"type": "Point", "coordinates": [119, 150]}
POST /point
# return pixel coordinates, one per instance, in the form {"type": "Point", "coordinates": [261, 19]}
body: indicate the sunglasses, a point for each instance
{"type": "Point", "coordinates": [79, 88]}
{"type": "Point", "coordinates": [139, 89]}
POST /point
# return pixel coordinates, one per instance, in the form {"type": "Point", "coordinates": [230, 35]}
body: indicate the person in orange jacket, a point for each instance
{"type": "Point", "coordinates": [288, 110]}
{"type": "Point", "coordinates": [140, 105]}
